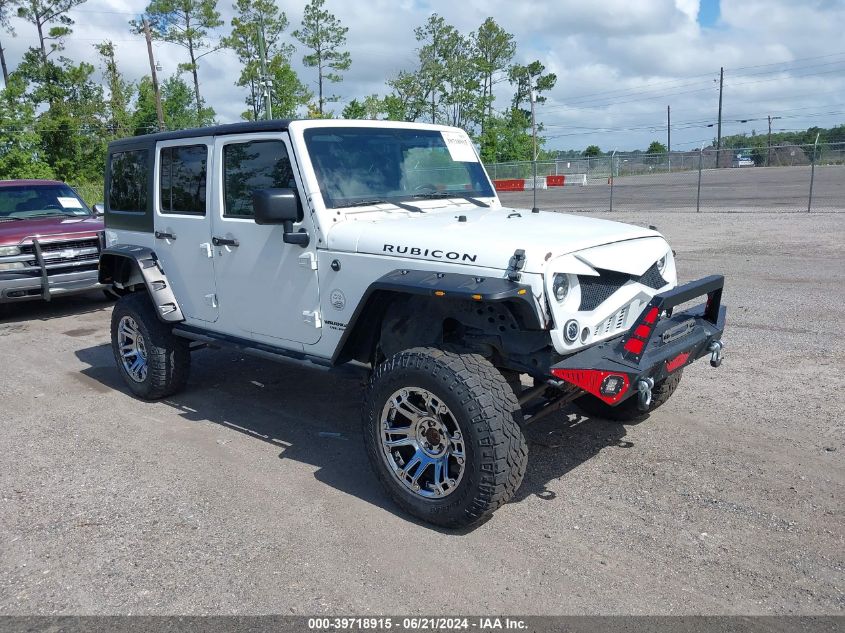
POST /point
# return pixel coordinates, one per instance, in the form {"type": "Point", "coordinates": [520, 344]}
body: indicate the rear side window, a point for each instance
{"type": "Point", "coordinates": [182, 177]}
{"type": "Point", "coordinates": [251, 166]}
{"type": "Point", "coordinates": [128, 181]}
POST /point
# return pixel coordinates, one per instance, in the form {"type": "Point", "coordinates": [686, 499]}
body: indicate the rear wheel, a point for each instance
{"type": "Point", "coordinates": [629, 410]}
{"type": "Point", "coordinates": [153, 362]}
{"type": "Point", "coordinates": [442, 434]}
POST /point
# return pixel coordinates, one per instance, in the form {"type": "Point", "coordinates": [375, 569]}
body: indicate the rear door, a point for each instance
{"type": "Point", "coordinates": [183, 224]}
{"type": "Point", "coordinates": [268, 289]}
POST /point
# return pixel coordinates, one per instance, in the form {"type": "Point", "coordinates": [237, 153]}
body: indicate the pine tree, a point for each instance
{"type": "Point", "coordinates": [322, 33]}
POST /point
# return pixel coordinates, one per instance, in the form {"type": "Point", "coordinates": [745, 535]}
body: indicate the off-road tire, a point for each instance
{"type": "Point", "coordinates": [486, 410]}
{"type": "Point", "coordinates": [629, 410]}
{"type": "Point", "coordinates": [168, 356]}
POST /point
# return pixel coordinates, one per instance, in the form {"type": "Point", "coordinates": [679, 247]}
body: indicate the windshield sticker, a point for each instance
{"type": "Point", "coordinates": [69, 203]}
{"type": "Point", "coordinates": [460, 147]}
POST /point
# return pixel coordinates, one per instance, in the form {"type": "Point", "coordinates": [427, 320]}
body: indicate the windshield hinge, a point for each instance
{"type": "Point", "coordinates": [516, 263]}
{"type": "Point", "coordinates": [308, 260]}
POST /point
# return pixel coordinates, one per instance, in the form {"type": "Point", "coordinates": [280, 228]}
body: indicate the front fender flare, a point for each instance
{"type": "Point", "coordinates": [437, 285]}
{"type": "Point", "coordinates": [130, 264]}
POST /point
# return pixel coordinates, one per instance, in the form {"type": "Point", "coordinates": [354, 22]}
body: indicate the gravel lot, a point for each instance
{"type": "Point", "coordinates": [250, 493]}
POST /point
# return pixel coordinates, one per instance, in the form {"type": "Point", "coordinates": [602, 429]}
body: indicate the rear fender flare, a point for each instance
{"type": "Point", "coordinates": [130, 265]}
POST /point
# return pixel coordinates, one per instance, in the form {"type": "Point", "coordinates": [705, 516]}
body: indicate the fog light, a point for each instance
{"type": "Point", "coordinates": [12, 266]}
{"type": "Point", "coordinates": [570, 330]}
{"type": "Point", "coordinates": [612, 385]}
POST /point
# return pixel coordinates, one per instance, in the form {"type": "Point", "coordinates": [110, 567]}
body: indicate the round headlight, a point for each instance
{"type": "Point", "coordinates": [570, 330]}
{"type": "Point", "coordinates": [560, 286]}
{"type": "Point", "coordinates": [661, 264]}
{"type": "Point", "coordinates": [9, 250]}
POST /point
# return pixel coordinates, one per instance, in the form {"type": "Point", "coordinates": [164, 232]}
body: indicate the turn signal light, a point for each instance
{"type": "Point", "coordinates": [634, 345]}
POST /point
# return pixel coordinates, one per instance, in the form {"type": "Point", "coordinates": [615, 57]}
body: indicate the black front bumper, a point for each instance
{"type": "Point", "coordinates": [660, 342]}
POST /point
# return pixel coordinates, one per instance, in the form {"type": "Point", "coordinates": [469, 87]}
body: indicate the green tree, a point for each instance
{"type": "Point", "coordinates": [185, 23]}
{"type": "Point", "coordinates": [354, 110]}
{"type": "Point", "coordinates": [118, 117]}
{"type": "Point", "coordinates": [494, 48]}
{"type": "Point", "coordinates": [177, 103]}
{"type": "Point", "coordinates": [322, 33]}
{"type": "Point", "coordinates": [656, 147]}
{"type": "Point", "coordinates": [592, 150]}
{"type": "Point", "coordinates": [407, 102]}
{"type": "Point", "coordinates": [21, 154]}
{"type": "Point", "coordinates": [262, 17]}
{"type": "Point", "coordinates": [507, 138]}
{"type": "Point", "coordinates": [6, 7]}
{"type": "Point", "coordinates": [43, 13]}
{"type": "Point", "coordinates": [527, 78]}
{"type": "Point", "coordinates": [437, 40]}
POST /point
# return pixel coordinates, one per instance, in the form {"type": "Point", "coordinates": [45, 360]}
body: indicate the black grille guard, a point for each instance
{"type": "Point", "coordinates": [650, 351]}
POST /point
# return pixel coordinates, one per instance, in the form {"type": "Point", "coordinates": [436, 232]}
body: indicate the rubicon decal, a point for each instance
{"type": "Point", "coordinates": [436, 253]}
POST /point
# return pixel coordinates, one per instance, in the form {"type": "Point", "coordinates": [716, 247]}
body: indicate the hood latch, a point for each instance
{"type": "Point", "coordinates": [516, 263]}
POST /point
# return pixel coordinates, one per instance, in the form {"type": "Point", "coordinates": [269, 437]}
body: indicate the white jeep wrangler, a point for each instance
{"type": "Point", "coordinates": [384, 244]}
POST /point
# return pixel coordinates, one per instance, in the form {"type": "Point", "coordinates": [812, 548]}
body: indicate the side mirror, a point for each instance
{"type": "Point", "coordinates": [280, 206]}
{"type": "Point", "coordinates": [99, 209]}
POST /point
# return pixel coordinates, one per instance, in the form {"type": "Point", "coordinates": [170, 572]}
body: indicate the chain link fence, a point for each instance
{"type": "Point", "coordinates": [784, 178]}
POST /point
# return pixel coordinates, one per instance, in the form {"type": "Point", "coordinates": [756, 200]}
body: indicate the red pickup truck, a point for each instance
{"type": "Point", "coordinates": [50, 241]}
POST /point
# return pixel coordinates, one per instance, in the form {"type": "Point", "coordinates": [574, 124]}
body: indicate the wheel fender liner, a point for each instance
{"type": "Point", "coordinates": [438, 285]}
{"type": "Point", "coordinates": [144, 266]}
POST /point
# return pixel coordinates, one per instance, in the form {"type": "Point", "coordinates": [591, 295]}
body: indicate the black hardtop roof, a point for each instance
{"type": "Point", "coordinates": [275, 125]}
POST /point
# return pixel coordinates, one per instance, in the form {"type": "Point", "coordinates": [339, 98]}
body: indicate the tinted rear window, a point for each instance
{"type": "Point", "coordinates": [182, 179]}
{"type": "Point", "coordinates": [128, 181]}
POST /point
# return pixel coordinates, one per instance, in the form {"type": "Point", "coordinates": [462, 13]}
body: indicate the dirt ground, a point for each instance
{"type": "Point", "coordinates": [250, 492]}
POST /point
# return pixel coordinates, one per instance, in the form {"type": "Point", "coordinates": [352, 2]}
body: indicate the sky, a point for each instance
{"type": "Point", "coordinates": [619, 63]}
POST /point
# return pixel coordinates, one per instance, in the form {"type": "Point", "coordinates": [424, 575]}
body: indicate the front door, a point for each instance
{"type": "Point", "coordinates": [183, 224]}
{"type": "Point", "coordinates": [267, 289]}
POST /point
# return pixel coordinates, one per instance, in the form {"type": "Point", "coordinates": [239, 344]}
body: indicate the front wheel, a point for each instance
{"type": "Point", "coordinates": [153, 361]}
{"type": "Point", "coordinates": [442, 434]}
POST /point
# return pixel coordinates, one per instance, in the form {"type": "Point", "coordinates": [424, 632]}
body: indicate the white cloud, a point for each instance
{"type": "Point", "coordinates": [619, 62]}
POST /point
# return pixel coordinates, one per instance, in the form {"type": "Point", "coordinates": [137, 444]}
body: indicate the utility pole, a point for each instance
{"type": "Point", "coordinates": [159, 112]}
{"type": "Point", "coordinates": [669, 136]}
{"type": "Point", "coordinates": [266, 82]}
{"type": "Point", "coordinates": [719, 132]}
{"type": "Point", "coordinates": [534, 208]}
{"type": "Point", "coordinates": [769, 144]}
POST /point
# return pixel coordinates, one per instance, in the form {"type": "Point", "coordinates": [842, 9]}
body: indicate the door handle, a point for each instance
{"type": "Point", "coordinates": [224, 241]}
{"type": "Point", "coordinates": [162, 235]}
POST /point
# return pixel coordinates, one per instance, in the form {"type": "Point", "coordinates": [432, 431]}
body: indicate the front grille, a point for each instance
{"type": "Point", "coordinates": [63, 256]}
{"type": "Point", "coordinates": [652, 278]}
{"type": "Point", "coordinates": [596, 290]}
{"type": "Point", "coordinates": [613, 323]}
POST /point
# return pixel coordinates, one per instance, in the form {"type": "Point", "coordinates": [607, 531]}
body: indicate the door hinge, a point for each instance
{"type": "Point", "coordinates": [211, 300]}
{"type": "Point", "coordinates": [312, 318]}
{"type": "Point", "coordinates": [308, 260]}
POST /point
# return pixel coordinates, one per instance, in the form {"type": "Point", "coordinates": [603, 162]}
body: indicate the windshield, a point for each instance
{"type": "Point", "coordinates": [33, 201]}
{"type": "Point", "coordinates": [378, 164]}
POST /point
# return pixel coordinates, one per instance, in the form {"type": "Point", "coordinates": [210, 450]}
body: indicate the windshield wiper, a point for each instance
{"type": "Point", "coordinates": [433, 195]}
{"type": "Point", "coordinates": [401, 205]}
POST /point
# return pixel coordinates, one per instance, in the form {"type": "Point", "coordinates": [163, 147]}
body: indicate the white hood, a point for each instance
{"type": "Point", "coordinates": [489, 237]}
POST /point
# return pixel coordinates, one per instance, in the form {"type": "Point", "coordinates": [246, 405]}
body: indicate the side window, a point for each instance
{"type": "Point", "coordinates": [128, 181]}
{"type": "Point", "coordinates": [251, 166]}
{"type": "Point", "coordinates": [182, 172]}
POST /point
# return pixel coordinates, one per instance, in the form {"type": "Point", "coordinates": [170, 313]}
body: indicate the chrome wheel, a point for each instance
{"type": "Point", "coordinates": [133, 349]}
{"type": "Point", "coordinates": [422, 443]}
